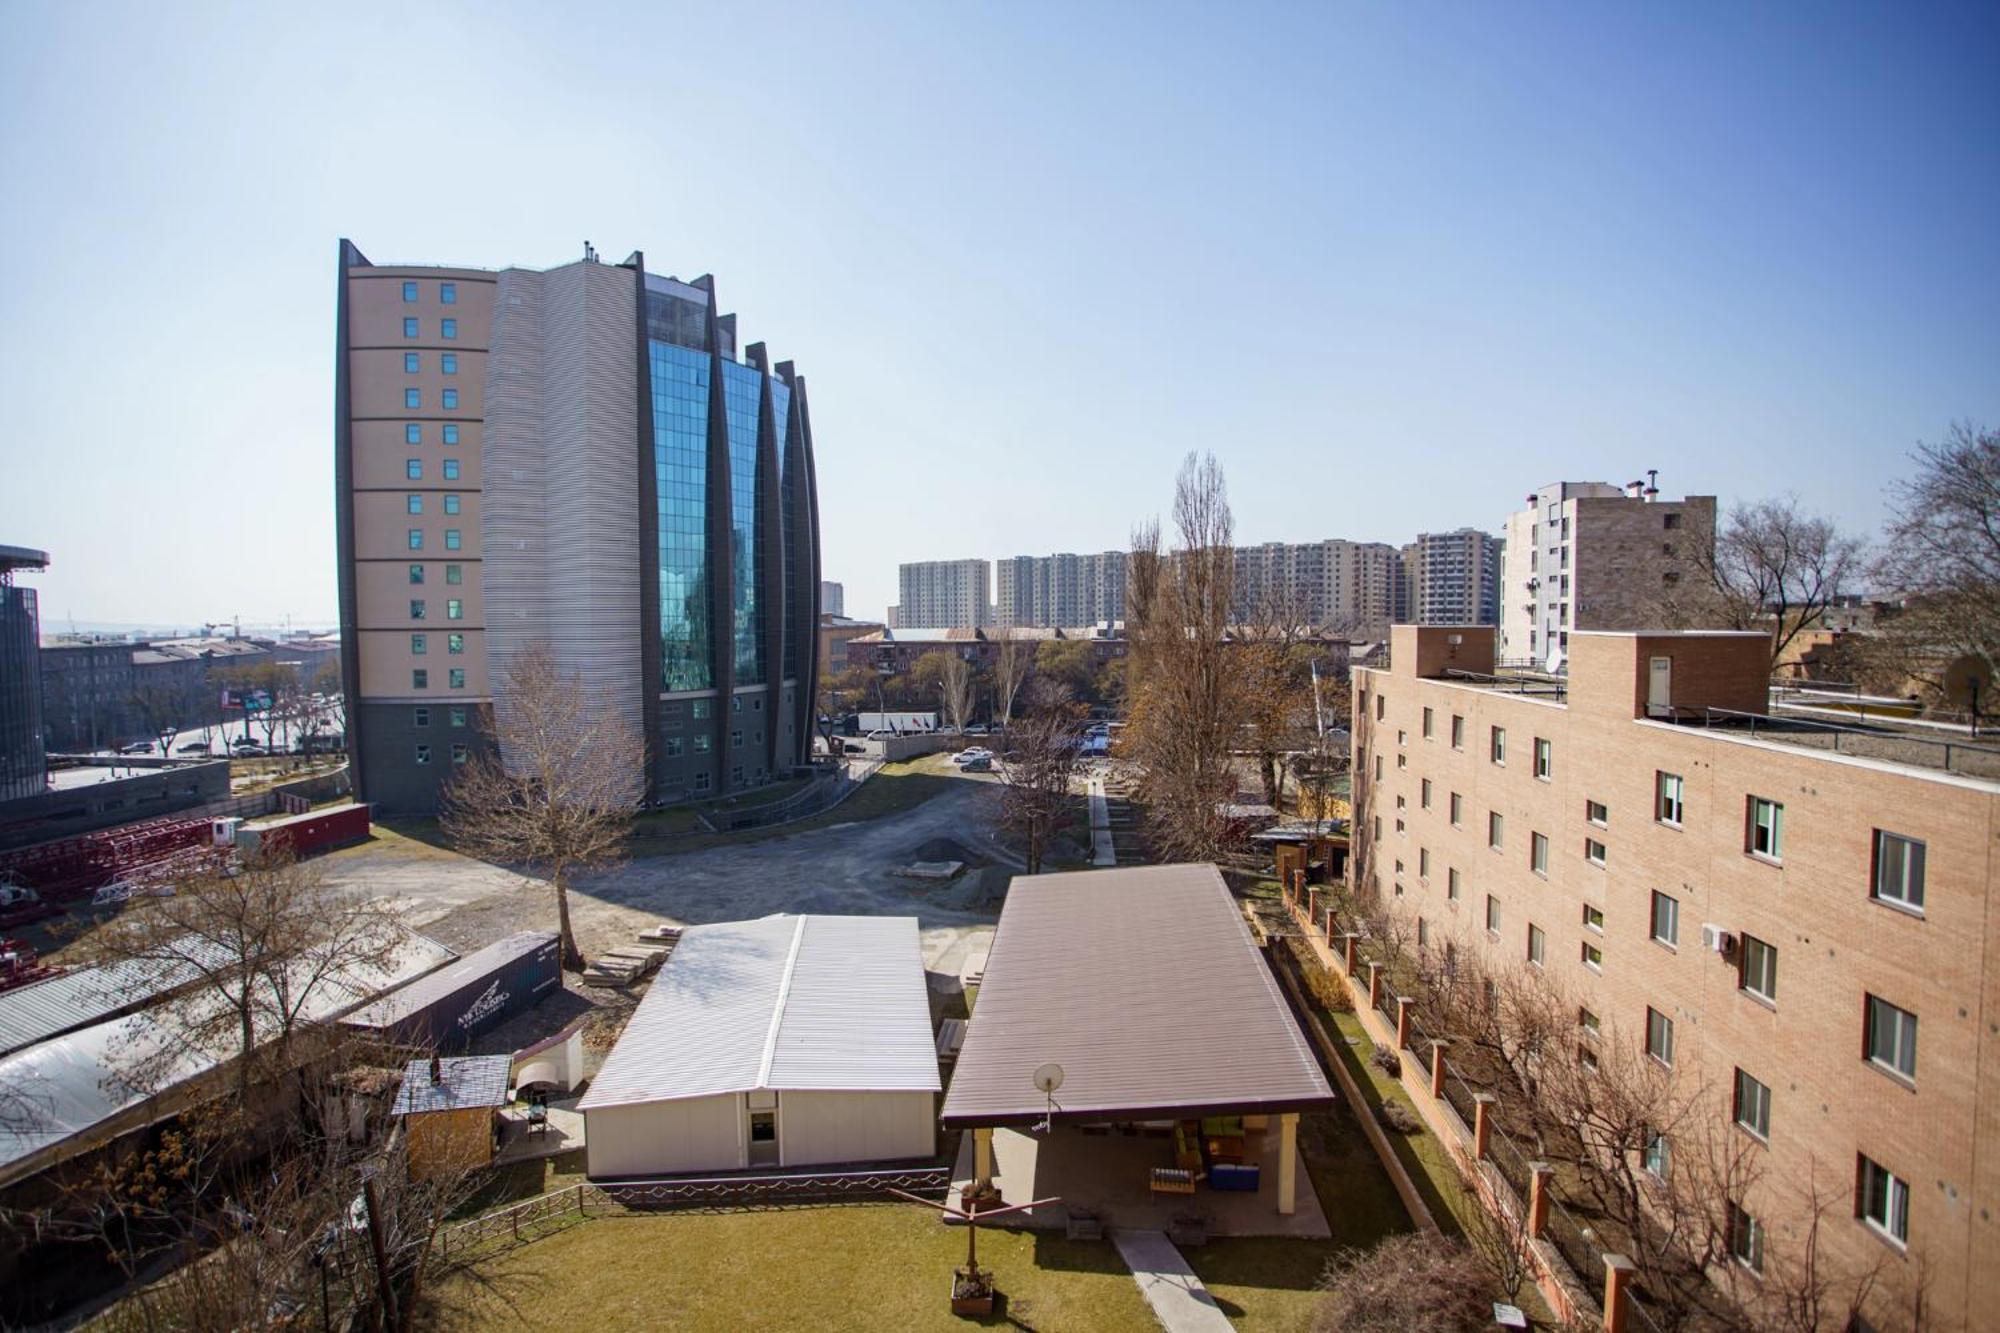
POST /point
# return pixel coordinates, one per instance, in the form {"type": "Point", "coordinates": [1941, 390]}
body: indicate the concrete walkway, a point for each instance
{"type": "Point", "coordinates": [1180, 1302]}
{"type": "Point", "coordinates": [1102, 853]}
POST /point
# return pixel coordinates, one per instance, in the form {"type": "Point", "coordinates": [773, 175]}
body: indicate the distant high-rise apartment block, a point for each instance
{"type": "Point", "coordinates": [945, 593]}
{"type": "Point", "coordinates": [832, 599]}
{"type": "Point", "coordinates": [1587, 555]}
{"type": "Point", "coordinates": [1450, 578]}
{"type": "Point", "coordinates": [1055, 590]}
{"type": "Point", "coordinates": [580, 456]}
{"type": "Point", "coordinates": [23, 763]}
{"type": "Point", "coordinates": [1334, 584]}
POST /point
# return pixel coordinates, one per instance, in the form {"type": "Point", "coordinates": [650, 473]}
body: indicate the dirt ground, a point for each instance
{"type": "Point", "coordinates": [842, 868]}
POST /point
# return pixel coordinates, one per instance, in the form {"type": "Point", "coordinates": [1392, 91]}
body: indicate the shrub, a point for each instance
{"type": "Point", "coordinates": [1406, 1284]}
{"type": "Point", "coordinates": [1400, 1118]}
{"type": "Point", "coordinates": [1324, 986]}
{"type": "Point", "coordinates": [1387, 1061]}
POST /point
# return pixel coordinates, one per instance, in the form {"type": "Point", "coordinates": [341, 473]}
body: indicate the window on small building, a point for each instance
{"type": "Point", "coordinates": [1423, 863]}
{"type": "Point", "coordinates": [1427, 724]}
{"type": "Point", "coordinates": [416, 573]}
{"type": "Point", "coordinates": [423, 754]}
{"type": "Point", "coordinates": [1457, 732]}
{"type": "Point", "coordinates": [447, 328]}
{"type": "Point", "coordinates": [454, 573]}
{"type": "Point", "coordinates": [412, 363]}
{"type": "Point", "coordinates": [1596, 812]}
{"type": "Point", "coordinates": [450, 429]}
{"type": "Point", "coordinates": [1746, 1238]}
{"type": "Point", "coordinates": [1544, 759]}
{"type": "Point", "coordinates": [409, 292]}
{"type": "Point", "coordinates": [1492, 916]}
{"type": "Point", "coordinates": [1538, 853]}
{"type": "Point", "coordinates": [1424, 794]}
{"type": "Point", "coordinates": [413, 433]}
{"type": "Point", "coordinates": [1753, 1105]}
{"type": "Point", "coordinates": [448, 293]}
{"type": "Point", "coordinates": [1593, 918]}
{"type": "Point", "coordinates": [459, 753]}
{"type": "Point", "coordinates": [420, 679]}
{"type": "Point", "coordinates": [1666, 926]}
{"type": "Point", "coordinates": [413, 469]}
{"type": "Point", "coordinates": [454, 643]}
{"type": "Point", "coordinates": [416, 539]}
{"type": "Point", "coordinates": [1667, 798]}
{"type": "Point", "coordinates": [1766, 836]}
{"type": "Point", "coordinates": [456, 677]}
{"type": "Point", "coordinates": [1899, 871]}
{"type": "Point", "coordinates": [420, 717]}
{"type": "Point", "coordinates": [448, 363]}
{"type": "Point", "coordinates": [450, 400]}
{"type": "Point", "coordinates": [1538, 945]}
{"type": "Point", "coordinates": [417, 608]}
{"type": "Point", "coordinates": [1593, 851]}
{"type": "Point", "coordinates": [1882, 1198]}
{"type": "Point", "coordinates": [1891, 1038]}
{"type": "Point", "coordinates": [451, 504]}
{"type": "Point", "coordinates": [1593, 957]}
{"type": "Point", "coordinates": [1452, 884]}
{"type": "Point", "coordinates": [1457, 810]}
{"type": "Point", "coordinates": [1657, 1155]}
{"type": "Point", "coordinates": [458, 717]}
{"type": "Point", "coordinates": [419, 645]}
{"type": "Point", "coordinates": [451, 539]}
{"type": "Point", "coordinates": [1659, 1036]}
{"type": "Point", "coordinates": [410, 327]}
{"type": "Point", "coordinates": [451, 469]}
{"type": "Point", "coordinates": [1496, 830]}
{"type": "Point", "coordinates": [1498, 746]}
{"type": "Point", "coordinates": [1589, 1022]}
{"type": "Point", "coordinates": [413, 399]}
{"type": "Point", "coordinates": [414, 503]}
{"type": "Point", "coordinates": [1757, 968]}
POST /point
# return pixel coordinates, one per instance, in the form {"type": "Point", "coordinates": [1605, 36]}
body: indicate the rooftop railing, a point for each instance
{"type": "Point", "coordinates": [1892, 744]}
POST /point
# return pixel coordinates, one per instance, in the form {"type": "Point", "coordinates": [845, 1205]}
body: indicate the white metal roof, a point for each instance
{"type": "Point", "coordinates": [793, 1003]}
{"type": "Point", "coordinates": [60, 1089]}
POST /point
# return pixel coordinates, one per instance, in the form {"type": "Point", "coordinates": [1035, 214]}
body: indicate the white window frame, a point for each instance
{"type": "Point", "coordinates": [1755, 986]}
{"type": "Point", "coordinates": [1672, 939]}
{"type": "Point", "coordinates": [1670, 810]}
{"type": "Point", "coordinates": [1879, 1017]}
{"type": "Point", "coordinates": [1752, 1113]}
{"type": "Point", "coordinates": [1770, 830]}
{"type": "Point", "coordinates": [1894, 1223]}
{"type": "Point", "coordinates": [1908, 878]}
{"type": "Point", "coordinates": [1661, 1049]}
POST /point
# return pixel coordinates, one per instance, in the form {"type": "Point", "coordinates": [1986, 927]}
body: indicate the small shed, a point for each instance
{"type": "Point", "coordinates": [783, 1042]}
{"type": "Point", "coordinates": [447, 1107]}
{"type": "Point", "coordinates": [447, 1009]}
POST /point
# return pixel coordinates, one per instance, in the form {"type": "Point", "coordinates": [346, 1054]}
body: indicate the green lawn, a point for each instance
{"type": "Point", "coordinates": [858, 1266]}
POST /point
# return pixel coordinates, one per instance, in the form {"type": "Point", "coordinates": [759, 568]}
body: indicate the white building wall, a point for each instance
{"type": "Point", "coordinates": [659, 1138]}
{"type": "Point", "coordinates": [816, 1128]}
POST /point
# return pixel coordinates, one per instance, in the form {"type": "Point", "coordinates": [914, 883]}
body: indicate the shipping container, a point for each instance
{"type": "Point", "coordinates": [304, 835]}
{"type": "Point", "coordinates": [447, 1009]}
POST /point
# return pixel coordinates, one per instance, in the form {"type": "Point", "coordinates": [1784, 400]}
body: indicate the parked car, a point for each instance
{"type": "Point", "coordinates": [248, 749]}
{"type": "Point", "coordinates": [136, 747]}
{"type": "Point", "coordinates": [195, 747]}
{"type": "Point", "coordinates": [882, 734]}
{"type": "Point", "coordinates": [976, 729]}
{"type": "Point", "coordinates": [967, 756]}
{"type": "Point", "coordinates": [977, 764]}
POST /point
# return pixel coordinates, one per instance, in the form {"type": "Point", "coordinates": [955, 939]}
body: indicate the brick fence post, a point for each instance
{"type": "Point", "coordinates": [1539, 1175]}
{"type": "Point", "coordinates": [1332, 919]}
{"type": "Point", "coordinates": [1403, 1003]}
{"type": "Point", "coordinates": [1347, 952]}
{"type": "Point", "coordinates": [1312, 902]}
{"type": "Point", "coordinates": [1374, 984]}
{"type": "Point", "coordinates": [1617, 1292]}
{"type": "Point", "coordinates": [1437, 1069]}
{"type": "Point", "coordinates": [1482, 1123]}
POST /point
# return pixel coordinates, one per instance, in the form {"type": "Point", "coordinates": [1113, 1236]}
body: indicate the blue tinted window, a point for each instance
{"type": "Point", "coordinates": [454, 573]}
{"type": "Point", "coordinates": [788, 485]}
{"type": "Point", "coordinates": [409, 291]}
{"type": "Point", "coordinates": [742, 392]}
{"type": "Point", "coordinates": [413, 398]}
{"type": "Point", "coordinates": [416, 539]}
{"type": "Point", "coordinates": [450, 398]}
{"type": "Point", "coordinates": [451, 539]}
{"type": "Point", "coordinates": [448, 293]}
{"type": "Point", "coordinates": [448, 328]}
{"type": "Point", "coordinates": [410, 327]}
{"type": "Point", "coordinates": [413, 434]}
{"type": "Point", "coordinates": [419, 644]}
{"type": "Point", "coordinates": [680, 465]}
{"type": "Point", "coordinates": [454, 643]}
{"type": "Point", "coordinates": [416, 503]}
{"type": "Point", "coordinates": [458, 678]}
{"type": "Point", "coordinates": [414, 469]}
{"type": "Point", "coordinates": [416, 573]}
{"type": "Point", "coordinates": [451, 432]}
{"type": "Point", "coordinates": [448, 363]}
{"type": "Point", "coordinates": [451, 504]}
{"type": "Point", "coordinates": [412, 363]}
{"type": "Point", "coordinates": [451, 469]}
{"type": "Point", "coordinates": [420, 679]}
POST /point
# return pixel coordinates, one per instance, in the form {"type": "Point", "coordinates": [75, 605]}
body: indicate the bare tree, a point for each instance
{"type": "Point", "coordinates": [1010, 668]}
{"type": "Point", "coordinates": [1185, 703]}
{"type": "Point", "coordinates": [1942, 550]}
{"type": "Point", "coordinates": [261, 942]}
{"type": "Point", "coordinates": [1772, 567]}
{"type": "Point", "coordinates": [160, 710]}
{"type": "Point", "coordinates": [1041, 764]}
{"type": "Point", "coordinates": [557, 792]}
{"type": "Point", "coordinates": [1406, 1284]}
{"type": "Point", "coordinates": [956, 678]}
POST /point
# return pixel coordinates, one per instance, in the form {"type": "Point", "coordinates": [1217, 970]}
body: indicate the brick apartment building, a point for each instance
{"type": "Point", "coordinates": [1806, 932]}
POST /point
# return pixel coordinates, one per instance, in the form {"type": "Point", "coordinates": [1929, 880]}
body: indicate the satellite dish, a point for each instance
{"type": "Point", "coordinates": [1048, 1078]}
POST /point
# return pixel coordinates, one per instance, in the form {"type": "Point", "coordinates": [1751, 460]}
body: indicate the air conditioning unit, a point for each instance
{"type": "Point", "coordinates": [1716, 938]}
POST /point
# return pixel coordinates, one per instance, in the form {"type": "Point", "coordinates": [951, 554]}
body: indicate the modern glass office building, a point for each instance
{"type": "Point", "coordinates": [608, 474]}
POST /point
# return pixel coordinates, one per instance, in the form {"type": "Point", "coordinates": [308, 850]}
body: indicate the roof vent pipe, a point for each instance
{"type": "Point", "coordinates": [1652, 484]}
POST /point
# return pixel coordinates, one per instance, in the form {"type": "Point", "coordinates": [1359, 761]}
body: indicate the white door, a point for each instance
{"type": "Point", "coordinates": [1660, 688]}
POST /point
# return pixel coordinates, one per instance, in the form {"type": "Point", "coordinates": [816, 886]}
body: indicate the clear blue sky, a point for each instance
{"type": "Point", "coordinates": [1394, 264]}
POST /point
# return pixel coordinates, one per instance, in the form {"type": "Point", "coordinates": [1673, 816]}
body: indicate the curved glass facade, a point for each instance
{"type": "Point", "coordinates": [742, 393]}
{"type": "Point", "coordinates": [781, 408]}
{"type": "Point", "coordinates": [680, 459]}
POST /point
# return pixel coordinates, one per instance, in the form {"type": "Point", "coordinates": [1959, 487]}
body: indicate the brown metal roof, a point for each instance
{"type": "Point", "coordinates": [1145, 986]}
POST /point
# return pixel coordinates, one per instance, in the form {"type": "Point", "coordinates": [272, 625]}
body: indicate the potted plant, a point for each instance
{"type": "Point", "coordinates": [972, 1290]}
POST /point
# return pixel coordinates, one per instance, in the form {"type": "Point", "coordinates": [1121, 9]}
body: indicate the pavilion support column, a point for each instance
{"type": "Point", "coordinates": [982, 1158]}
{"type": "Point", "coordinates": [1288, 1156]}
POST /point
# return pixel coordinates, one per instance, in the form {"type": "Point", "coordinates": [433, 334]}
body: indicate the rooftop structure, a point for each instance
{"type": "Point", "coordinates": [782, 1041]}
{"type": "Point", "coordinates": [23, 763]}
{"type": "Point", "coordinates": [1145, 986]}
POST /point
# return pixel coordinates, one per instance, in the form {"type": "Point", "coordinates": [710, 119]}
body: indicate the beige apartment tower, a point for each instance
{"type": "Point", "coordinates": [1806, 934]}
